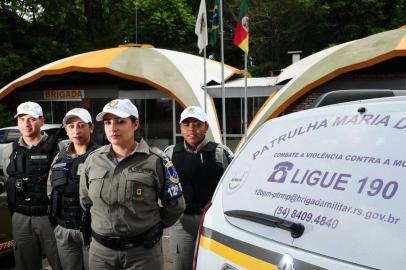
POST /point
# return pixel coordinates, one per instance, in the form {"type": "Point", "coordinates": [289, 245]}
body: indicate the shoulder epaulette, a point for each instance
{"type": "Point", "coordinates": [158, 152]}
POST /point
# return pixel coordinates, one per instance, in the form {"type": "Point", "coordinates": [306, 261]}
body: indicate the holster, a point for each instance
{"type": "Point", "coordinates": [153, 235]}
{"type": "Point", "coordinates": [86, 228]}
{"type": "Point", "coordinates": [11, 194]}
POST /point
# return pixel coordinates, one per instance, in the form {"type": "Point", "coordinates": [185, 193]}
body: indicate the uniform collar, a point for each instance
{"type": "Point", "coordinates": [22, 143]}
{"type": "Point", "coordinates": [142, 147]}
{"type": "Point", "coordinates": [69, 148]}
{"type": "Point", "coordinates": [198, 148]}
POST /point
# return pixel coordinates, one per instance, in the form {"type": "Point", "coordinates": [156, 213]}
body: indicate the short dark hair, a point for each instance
{"type": "Point", "coordinates": [133, 118]}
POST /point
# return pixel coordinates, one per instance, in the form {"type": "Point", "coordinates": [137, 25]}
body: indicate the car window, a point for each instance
{"type": "Point", "coordinates": [2, 136]}
{"type": "Point", "coordinates": [53, 131]}
{"type": "Point", "coordinates": [336, 171]}
{"type": "Point", "coordinates": [13, 134]}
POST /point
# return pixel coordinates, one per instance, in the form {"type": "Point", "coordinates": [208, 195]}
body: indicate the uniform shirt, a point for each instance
{"type": "Point", "coordinates": [223, 153]}
{"type": "Point", "coordinates": [125, 194]}
{"type": "Point", "coordinates": [8, 149]}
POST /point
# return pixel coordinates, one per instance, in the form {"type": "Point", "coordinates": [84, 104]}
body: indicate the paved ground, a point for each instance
{"type": "Point", "coordinates": [8, 263]}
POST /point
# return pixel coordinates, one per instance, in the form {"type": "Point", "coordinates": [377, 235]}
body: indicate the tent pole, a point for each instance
{"type": "Point", "coordinates": [245, 96]}
{"type": "Point", "coordinates": [173, 121]}
{"type": "Point", "coordinates": [205, 80]}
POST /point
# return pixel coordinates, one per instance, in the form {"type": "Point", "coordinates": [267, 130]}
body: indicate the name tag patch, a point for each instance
{"type": "Point", "coordinates": [80, 168]}
{"type": "Point", "coordinates": [39, 157]}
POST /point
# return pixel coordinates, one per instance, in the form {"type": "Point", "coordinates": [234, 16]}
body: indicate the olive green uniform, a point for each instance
{"type": "Point", "coordinates": [33, 235]}
{"type": "Point", "coordinates": [125, 199]}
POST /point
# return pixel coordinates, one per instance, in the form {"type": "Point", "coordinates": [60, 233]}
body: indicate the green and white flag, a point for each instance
{"type": "Point", "coordinates": [201, 26]}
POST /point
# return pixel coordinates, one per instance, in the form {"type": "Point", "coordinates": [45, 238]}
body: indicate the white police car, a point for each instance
{"type": "Point", "coordinates": [318, 189]}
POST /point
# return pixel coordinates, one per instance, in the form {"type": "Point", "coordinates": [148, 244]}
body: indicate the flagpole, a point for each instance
{"type": "Point", "coordinates": [205, 80]}
{"type": "Point", "coordinates": [241, 40]}
{"type": "Point", "coordinates": [202, 40]}
{"type": "Point", "coordinates": [223, 91]}
{"type": "Point", "coordinates": [245, 95]}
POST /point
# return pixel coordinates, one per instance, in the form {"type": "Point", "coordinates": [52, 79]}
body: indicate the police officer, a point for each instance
{"type": "Point", "coordinates": [200, 164]}
{"type": "Point", "coordinates": [134, 192]}
{"type": "Point", "coordinates": [63, 188]}
{"type": "Point", "coordinates": [26, 164]}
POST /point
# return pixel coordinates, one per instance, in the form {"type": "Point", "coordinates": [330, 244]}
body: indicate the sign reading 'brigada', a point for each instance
{"type": "Point", "coordinates": [64, 94]}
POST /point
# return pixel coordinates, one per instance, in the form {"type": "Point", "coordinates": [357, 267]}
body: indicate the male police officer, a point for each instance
{"type": "Point", "coordinates": [26, 164]}
{"type": "Point", "coordinates": [200, 165]}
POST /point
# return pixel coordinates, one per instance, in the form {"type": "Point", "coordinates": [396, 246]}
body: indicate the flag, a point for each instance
{"type": "Point", "coordinates": [201, 26]}
{"type": "Point", "coordinates": [215, 24]}
{"type": "Point", "coordinates": [241, 31]}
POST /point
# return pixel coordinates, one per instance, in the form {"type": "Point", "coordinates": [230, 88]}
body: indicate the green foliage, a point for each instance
{"type": "Point", "coordinates": [6, 119]}
{"type": "Point", "coordinates": [36, 32]}
{"type": "Point", "coordinates": [279, 26]}
{"type": "Point", "coordinates": [164, 24]}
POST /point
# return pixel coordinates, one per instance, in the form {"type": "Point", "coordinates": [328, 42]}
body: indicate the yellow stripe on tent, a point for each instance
{"type": "Point", "coordinates": [96, 59]}
{"type": "Point", "coordinates": [402, 44]}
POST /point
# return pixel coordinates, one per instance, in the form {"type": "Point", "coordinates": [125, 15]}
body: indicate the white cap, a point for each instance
{"type": "Point", "coordinates": [31, 108]}
{"type": "Point", "coordinates": [193, 112]}
{"type": "Point", "coordinates": [121, 107]}
{"type": "Point", "coordinates": [78, 112]}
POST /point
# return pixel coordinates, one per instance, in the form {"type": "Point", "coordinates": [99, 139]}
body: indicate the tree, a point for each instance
{"type": "Point", "coordinates": [279, 26]}
{"type": "Point", "coordinates": [36, 32]}
{"type": "Point", "coordinates": [164, 24]}
{"type": "Point", "coordinates": [6, 119]}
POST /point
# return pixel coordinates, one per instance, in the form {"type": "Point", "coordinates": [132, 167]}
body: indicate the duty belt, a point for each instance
{"type": "Point", "coordinates": [40, 210]}
{"type": "Point", "coordinates": [69, 223]}
{"type": "Point", "coordinates": [119, 243]}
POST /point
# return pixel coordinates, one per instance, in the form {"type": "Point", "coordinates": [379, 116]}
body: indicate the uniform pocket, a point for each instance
{"type": "Point", "coordinates": [96, 180]}
{"type": "Point", "coordinates": [140, 188]}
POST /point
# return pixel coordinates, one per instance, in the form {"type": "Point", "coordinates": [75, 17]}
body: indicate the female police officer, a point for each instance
{"type": "Point", "coordinates": [63, 188]}
{"type": "Point", "coordinates": [124, 182]}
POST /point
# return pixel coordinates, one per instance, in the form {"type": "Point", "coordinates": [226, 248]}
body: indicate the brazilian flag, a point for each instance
{"type": "Point", "coordinates": [215, 24]}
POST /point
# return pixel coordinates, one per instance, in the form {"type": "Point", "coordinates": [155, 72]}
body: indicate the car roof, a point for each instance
{"type": "Point", "coordinates": [344, 96]}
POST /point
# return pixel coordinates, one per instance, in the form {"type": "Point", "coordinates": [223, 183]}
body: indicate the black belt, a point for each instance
{"type": "Point", "coordinates": [40, 210]}
{"type": "Point", "coordinates": [119, 243]}
{"type": "Point", "coordinates": [69, 223]}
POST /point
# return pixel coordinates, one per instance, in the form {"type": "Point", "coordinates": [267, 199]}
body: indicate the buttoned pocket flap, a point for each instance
{"type": "Point", "coordinates": [140, 187]}
{"type": "Point", "coordinates": [96, 179]}
{"type": "Point", "coordinates": [144, 176]}
{"type": "Point", "coordinates": [58, 177]}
